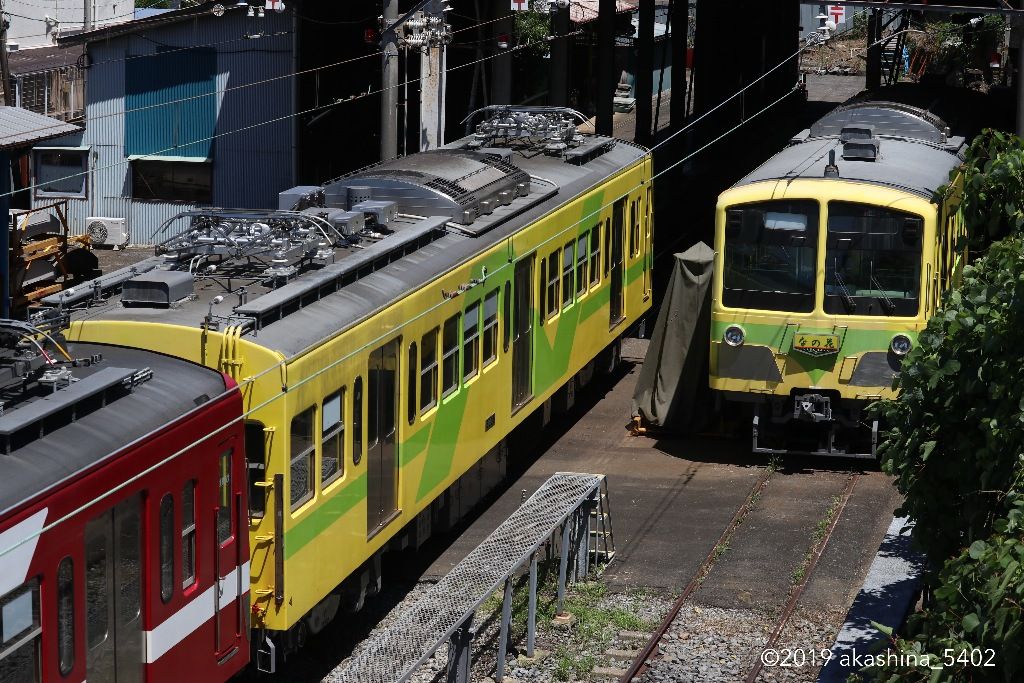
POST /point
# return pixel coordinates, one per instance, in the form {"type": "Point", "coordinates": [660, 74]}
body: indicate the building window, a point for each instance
{"type": "Point", "coordinates": [471, 341]}
{"type": "Point", "coordinates": [166, 547]}
{"type": "Point", "coordinates": [567, 274]}
{"type": "Point", "coordinates": [19, 620]}
{"type": "Point", "coordinates": [303, 448]}
{"type": "Point", "coordinates": [595, 255]}
{"type": "Point", "coordinates": [332, 439]}
{"type": "Point", "coordinates": [491, 328]}
{"type": "Point", "coordinates": [581, 264]}
{"type": "Point", "coordinates": [450, 356]}
{"type": "Point", "coordinates": [61, 172]}
{"type": "Point", "coordinates": [188, 533]}
{"type": "Point", "coordinates": [428, 371]}
{"type": "Point", "coordinates": [411, 377]}
{"type": "Point", "coordinates": [553, 275]}
{"type": "Point", "coordinates": [256, 463]}
{"type": "Point", "coordinates": [65, 616]}
{"type": "Point", "coordinates": [357, 421]}
{"type": "Point", "coordinates": [173, 181]}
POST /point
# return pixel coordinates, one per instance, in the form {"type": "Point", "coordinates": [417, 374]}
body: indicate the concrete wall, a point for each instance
{"type": "Point", "coordinates": [252, 159]}
{"type": "Point", "coordinates": [31, 28]}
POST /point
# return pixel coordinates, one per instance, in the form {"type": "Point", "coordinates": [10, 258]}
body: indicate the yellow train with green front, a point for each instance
{"type": "Point", "coordinates": [829, 260]}
{"type": "Point", "coordinates": [396, 329]}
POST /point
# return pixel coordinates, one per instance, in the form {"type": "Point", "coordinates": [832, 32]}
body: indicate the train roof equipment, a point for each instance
{"type": "Point", "coordinates": [881, 143]}
{"type": "Point", "coordinates": [65, 408]}
{"type": "Point", "coordinates": [334, 254]}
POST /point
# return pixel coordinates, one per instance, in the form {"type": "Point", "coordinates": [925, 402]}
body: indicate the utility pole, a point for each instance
{"type": "Point", "coordinates": [431, 35]}
{"type": "Point", "coordinates": [389, 85]}
{"type": "Point", "coordinates": [558, 90]}
{"type": "Point", "coordinates": [87, 20]}
{"type": "Point", "coordinates": [605, 66]}
{"type": "Point", "coordinates": [644, 76]}
{"type": "Point", "coordinates": [501, 76]}
{"type": "Point", "coordinates": [680, 22]}
{"type": "Point", "coordinates": [5, 67]}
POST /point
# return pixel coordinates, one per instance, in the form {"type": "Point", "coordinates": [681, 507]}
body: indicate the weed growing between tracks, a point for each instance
{"type": "Point", "coordinates": [820, 531]}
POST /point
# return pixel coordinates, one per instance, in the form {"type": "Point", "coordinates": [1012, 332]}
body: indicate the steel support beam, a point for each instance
{"type": "Point", "coordinates": [873, 68]}
{"type": "Point", "coordinates": [558, 91]}
{"type": "Point", "coordinates": [680, 22]}
{"type": "Point", "coordinates": [644, 76]}
{"type": "Point", "coordinates": [606, 79]}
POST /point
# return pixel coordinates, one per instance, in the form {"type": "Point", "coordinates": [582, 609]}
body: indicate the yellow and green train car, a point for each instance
{"type": "Point", "coordinates": [829, 260]}
{"type": "Point", "coordinates": [389, 331]}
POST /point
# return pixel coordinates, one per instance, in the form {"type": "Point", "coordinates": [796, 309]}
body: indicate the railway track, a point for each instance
{"type": "Point", "coordinates": [756, 662]}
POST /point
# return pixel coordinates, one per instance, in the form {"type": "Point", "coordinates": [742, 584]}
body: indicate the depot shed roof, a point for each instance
{"type": "Point", "coordinates": [23, 128]}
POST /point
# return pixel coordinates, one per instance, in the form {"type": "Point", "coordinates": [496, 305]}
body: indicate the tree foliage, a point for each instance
{"type": "Point", "coordinates": [956, 443]}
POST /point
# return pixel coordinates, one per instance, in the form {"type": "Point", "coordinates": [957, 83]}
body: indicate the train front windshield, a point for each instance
{"type": "Point", "coordinates": [872, 261]}
{"type": "Point", "coordinates": [770, 255]}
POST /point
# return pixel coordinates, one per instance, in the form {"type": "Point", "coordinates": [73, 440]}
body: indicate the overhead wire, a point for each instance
{"type": "Point", "coordinates": [390, 333]}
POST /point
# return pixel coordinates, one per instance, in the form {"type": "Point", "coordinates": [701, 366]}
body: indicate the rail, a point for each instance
{"type": "Point", "coordinates": [565, 505]}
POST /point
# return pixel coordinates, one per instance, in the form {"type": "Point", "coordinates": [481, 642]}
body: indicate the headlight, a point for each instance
{"type": "Point", "coordinates": [733, 335]}
{"type": "Point", "coordinates": [901, 345]}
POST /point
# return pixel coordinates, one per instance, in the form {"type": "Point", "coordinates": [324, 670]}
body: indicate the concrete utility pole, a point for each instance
{"type": "Point", "coordinates": [87, 20]}
{"type": "Point", "coordinates": [5, 67]}
{"type": "Point", "coordinates": [606, 80]}
{"type": "Point", "coordinates": [432, 76]}
{"type": "Point", "coordinates": [389, 84]}
{"type": "Point", "coordinates": [644, 77]}
{"type": "Point", "coordinates": [558, 91]}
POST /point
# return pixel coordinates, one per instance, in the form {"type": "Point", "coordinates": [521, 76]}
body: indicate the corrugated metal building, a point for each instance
{"type": "Point", "coordinates": [184, 109]}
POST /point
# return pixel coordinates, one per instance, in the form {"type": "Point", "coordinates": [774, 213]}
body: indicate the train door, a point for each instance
{"type": "Point", "coordinates": [381, 450]}
{"type": "Point", "coordinates": [227, 623]}
{"type": "Point", "coordinates": [522, 338]}
{"type": "Point", "coordinates": [113, 594]}
{"type": "Point", "coordinates": [615, 249]}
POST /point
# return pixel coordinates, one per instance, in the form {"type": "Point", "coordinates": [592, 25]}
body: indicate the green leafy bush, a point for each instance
{"type": "Point", "coordinates": [994, 185]}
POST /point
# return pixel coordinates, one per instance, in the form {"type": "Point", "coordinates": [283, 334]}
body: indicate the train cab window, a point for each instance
{"type": "Point", "coordinates": [357, 421]}
{"type": "Point", "coordinates": [166, 547]}
{"type": "Point", "coordinates": [256, 466]}
{"type": "Point", "coordinates": [411, 378]}
{"type": "Point", "coordinates": [188, 532]}
{"type": "Point", "coordinates": [506, 325]}
{"type": "Point", "coordinates": [303, 449]}
{"type": "Point", "coordinates": [872, 260]}
{"type": "Point", "coordinates": [471, 341]}
{"type": "Point", "coordinates": [554, 272]}
{"type": "Point", "coordinates": [581, 265]}
{"type": "Point", "coordinates": [428, 371]}
{"type": "Point", "coordinates": [19, 622]}
{"type": "Point", "coordinates": [490, 337]}
{"type": "Point", "coordinates": [224, 530]}
{"type": "Point", "coordinates": [771, 255]}
{"type": "Point", "coordinates": [567, 265]}
{"type": "Point", "coordinates": [65, 616]}
{"type": "Point", "coordinates": [595, 256]}
{"type": "Point", "coordinates": [332, 438]}
{"type": "Point", "coordinates": [450, 356]}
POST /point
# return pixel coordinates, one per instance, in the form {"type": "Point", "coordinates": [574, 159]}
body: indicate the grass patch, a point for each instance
{"type": "Point", "coordinates": [817, 537]}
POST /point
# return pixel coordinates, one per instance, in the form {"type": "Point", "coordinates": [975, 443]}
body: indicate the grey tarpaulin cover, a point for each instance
{"type": "Point", "coordinates": [672, 389]}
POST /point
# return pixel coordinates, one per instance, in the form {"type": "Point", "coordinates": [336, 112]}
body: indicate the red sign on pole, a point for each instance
{"type": "Point", "coordinates": [838, 13]}
{"type": "Point", "coordinates": [520, 5]}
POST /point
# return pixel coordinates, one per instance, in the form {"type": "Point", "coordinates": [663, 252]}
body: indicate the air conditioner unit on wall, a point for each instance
{"type": "Point", "coordinates": [111, 232]}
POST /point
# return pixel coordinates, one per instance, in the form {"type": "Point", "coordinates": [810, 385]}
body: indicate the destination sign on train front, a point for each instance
{"type": "Point", "coordinates": [816, 344]}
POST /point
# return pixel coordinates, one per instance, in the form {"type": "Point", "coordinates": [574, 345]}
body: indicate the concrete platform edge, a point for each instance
{"type": "Point", "coordinates": [886, 597]}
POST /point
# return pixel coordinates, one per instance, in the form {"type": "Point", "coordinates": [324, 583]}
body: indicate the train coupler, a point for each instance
{"type": "Point", "coordinates": [813, 407]}
{"type": "Point", "coordinates": [266, 655]}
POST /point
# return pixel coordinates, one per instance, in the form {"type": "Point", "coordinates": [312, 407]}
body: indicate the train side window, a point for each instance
{"type": "Point", "coordinates": [490, 346]}
{"type": "Point", "coordinates": [542, 289]}
{"type": "Point", "coordinates": [19, 620]}
{"type": "Point", "coordinates": [553, 279]}
{"type": "Point", "coordinates": [332, 438]}
{"type": "Point", "coordinates": [166, 547]}
{"type": "Point", "coordinates": [506, 325]}
{"type": "Point", "coordinates": [428, 371]}
{"type": "Point", "coordinates": [567, 265]}
{"type": "Point", "coordinates": [357, 421]}
{"type": "Point", "coordinates": [471, 341]}
{"type": "Point", "coordinates": [303, 449]}
{"type": "Point", "coordinates": [256, 465]}
{"type": "Point", "coordinates": [224, 530]}
{"type": "Point", "coordinates": [411, 378]}
{"type": "Point", "coordinates": [581, 264]}
{"type": "Point", "coordinates": [65, 616]}
{"type": "Point", "coordinates": [632, 228]}
{"type": "Point", "coordinates": [188, 532]}
{"type": "Point", "coordinates": [595, 255]}
{"type": "Point", "coordinates": [450, 356]}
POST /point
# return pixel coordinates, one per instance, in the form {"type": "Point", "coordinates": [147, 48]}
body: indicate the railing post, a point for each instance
{"type": "Point", "coordinates": [531, 620]}
{"type": "Point", "coordinates": [506, 622]}
{"type": "Point", "coordinates": [460, 652]}
{"type": "Point", "coordinates": [563, 564]}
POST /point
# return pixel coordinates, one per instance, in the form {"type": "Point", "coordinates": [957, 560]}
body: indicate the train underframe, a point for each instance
{"type": "Point", "coordinates": [806, 422]}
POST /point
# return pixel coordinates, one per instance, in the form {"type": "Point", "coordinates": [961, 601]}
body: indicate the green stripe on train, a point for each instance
{"type": "Point", "coordinates": [329, 512]}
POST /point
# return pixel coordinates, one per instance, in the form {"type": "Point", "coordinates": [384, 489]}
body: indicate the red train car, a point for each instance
{"type": "Point", "coordinates": [123, 543]}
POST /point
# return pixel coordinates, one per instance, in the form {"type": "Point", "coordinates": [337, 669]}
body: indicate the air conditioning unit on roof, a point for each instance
{"type": "Point", "coordinates": [111, 232]}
